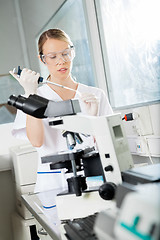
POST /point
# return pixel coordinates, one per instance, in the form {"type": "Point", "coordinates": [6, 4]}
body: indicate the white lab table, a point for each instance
{"type": "Point", "coordinates": [50, 223]}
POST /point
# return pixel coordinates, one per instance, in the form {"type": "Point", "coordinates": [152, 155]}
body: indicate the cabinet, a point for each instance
{"type": "Point", "coordinates": [24, 229]}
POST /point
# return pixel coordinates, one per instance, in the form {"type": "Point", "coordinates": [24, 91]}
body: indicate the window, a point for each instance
{"type": "Point", "coordinates": [70, 18]}
{"type": "Point", "coordinates": [10, 87]}
{"type": "Point", "coordinates": [130, 39]}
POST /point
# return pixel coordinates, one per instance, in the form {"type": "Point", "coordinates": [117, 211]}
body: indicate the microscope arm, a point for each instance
{"type": "Point", "coordinates": [110, 138]}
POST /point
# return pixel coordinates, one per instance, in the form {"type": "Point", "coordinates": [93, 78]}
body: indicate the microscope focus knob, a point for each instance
{"type": "Point", "coordinates": [107, 190]}
{"type": "Point", "coordinates": [109, 168]}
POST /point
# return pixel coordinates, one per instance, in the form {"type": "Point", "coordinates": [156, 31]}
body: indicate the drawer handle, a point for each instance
{"type": "Point", "coordinates": [41, 231]}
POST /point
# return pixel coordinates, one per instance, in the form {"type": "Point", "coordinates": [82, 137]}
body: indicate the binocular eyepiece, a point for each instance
{"type": "Point", "coordinates": [40, 107]}
{"type": "Point", "coordinates": [34, 105]}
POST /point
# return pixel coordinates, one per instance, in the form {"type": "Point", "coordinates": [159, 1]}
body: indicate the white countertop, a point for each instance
{"type": "Point", "coordinates": [35, 206]}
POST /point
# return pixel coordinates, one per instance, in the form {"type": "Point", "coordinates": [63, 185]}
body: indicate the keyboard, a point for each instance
{"type": "Point", "coordinates": [81, 228]}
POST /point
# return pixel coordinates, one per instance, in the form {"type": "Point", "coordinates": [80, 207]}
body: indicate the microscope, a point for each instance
{"type": "Point", "coordinates": [109, 161]}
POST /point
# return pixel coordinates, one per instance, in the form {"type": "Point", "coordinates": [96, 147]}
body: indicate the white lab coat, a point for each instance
{"type": "Point", "coordinates": [54, 141]}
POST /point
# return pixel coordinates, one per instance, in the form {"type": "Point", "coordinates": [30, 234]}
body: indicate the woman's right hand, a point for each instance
{"type": "Point", "coordinates": [28, 80]}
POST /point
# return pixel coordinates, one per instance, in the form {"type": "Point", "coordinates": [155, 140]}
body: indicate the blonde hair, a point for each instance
{"type": "Point", "coordinates": [54, 33]}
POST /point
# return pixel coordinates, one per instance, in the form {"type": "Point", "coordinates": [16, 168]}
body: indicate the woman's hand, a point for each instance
{"type": "Point", "coordinates": [28, 80]}
{"type": "Point", "coordinates": [91, 103]}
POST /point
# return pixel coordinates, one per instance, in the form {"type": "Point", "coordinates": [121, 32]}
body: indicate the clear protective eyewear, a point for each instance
{"type": "Point", "coordinates": [66, 55]}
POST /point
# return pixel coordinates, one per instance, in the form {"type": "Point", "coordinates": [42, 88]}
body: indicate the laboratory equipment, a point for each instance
{"type": "Point", "coordinates": [114, 155]}
{"type": "Point", "coordinates": [40, 107]}
{"type": "Point", "coordinates": [18, 72]}
{"type": "Point", "coordinates": [23, 157]}
{"type": "Point", "coordinates": [136, 217]}
{"type": "Point", "coordinates": [81, 229]}
{"type": "Point", "coordinates": [24, 171]}
{"type": "Point", "coordinates": [42, 81]}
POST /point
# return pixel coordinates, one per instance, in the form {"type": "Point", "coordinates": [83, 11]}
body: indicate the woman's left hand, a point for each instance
{"type": "Point", "coordinates": [91, 103]}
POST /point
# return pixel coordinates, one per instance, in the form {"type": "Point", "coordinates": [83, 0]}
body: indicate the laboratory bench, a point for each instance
{"type": "Point", "coordinates": [50, 224]}
{"type": "Point", "coordinates": [42, 206]}
{"type": "Point", "coordinates": [144, 183]}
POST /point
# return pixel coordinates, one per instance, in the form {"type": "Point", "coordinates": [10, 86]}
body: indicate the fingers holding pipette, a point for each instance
{"type": "Point", "coordinates": [14, 74]}
{"type": "Point", "coordinates": [28, 79]}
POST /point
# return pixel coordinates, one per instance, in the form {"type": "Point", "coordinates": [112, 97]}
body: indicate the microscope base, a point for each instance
{"type": "Point", "coordinates": [70, 207]}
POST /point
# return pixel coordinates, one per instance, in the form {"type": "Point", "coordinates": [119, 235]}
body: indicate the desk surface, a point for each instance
{"type": "Point", "coordinates": [46, 216]}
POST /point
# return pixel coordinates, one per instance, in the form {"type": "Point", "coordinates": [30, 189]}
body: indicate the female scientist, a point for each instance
{"type": "Point", "coordinates": [57, 52]}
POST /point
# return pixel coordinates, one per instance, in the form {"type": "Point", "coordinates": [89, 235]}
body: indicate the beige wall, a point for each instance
{"type": "Point", "coordinates": [7, 205]}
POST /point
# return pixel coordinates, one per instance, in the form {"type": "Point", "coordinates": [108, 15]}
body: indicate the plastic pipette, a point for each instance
{"type": "Point", "coordinates": [59, 85]}
{"type": "Point", "coordinates": [42, 81]}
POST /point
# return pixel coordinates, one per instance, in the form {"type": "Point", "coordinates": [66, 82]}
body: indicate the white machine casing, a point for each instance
{"type": "Point", "coordinates": [137, 218]}
{"type": "Point", "coordinates": [24, 169]}
{"type": "Point", "coordinates": [145, 207]}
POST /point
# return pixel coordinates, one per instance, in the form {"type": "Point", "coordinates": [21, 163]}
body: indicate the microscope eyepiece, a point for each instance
{"type": "Point", "coordinates": [11, 100]}
{"type": "Point", "coordinates": [34, 105]}
{"type": "Point", "coordinates": [16, 102]}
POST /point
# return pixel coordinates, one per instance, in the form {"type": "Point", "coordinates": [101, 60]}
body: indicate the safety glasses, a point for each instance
{"type": "Point", "coordinates": [66, 55]}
